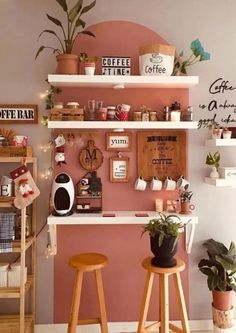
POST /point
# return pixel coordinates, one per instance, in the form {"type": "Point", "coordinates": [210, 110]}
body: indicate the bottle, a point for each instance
{"type": "Point", "coordinates": [166, 113]}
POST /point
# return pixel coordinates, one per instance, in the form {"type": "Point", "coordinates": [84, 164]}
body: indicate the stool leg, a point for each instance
{"type": "Point", "coordinates": [160, 288]}
{"type": "Point", "coordinates": [75, 303]}
{"type": "Point", "coordinates": [181, 302]}
{"type": "Point", "coordinates": [101, 300]}
{"type": "Point", "coordinates": [164, 296]}
{"type": "Point", "coordinates": [145, 301]}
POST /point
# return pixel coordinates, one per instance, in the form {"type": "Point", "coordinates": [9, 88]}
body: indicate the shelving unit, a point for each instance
{"type": "Point", "coordinates": [220, 143]}
{"type": "Point", "coordinates": [22, 323]}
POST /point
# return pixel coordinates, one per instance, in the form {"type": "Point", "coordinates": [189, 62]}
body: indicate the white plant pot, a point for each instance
{"type": "Point", "coordinates": [214, 173]}
{"type": "Point", "coordinates": [89, 68]}
{"type": "Point", "coordinates": [227, 135]}
{"type": "Point", "coordinates": [216, 133]}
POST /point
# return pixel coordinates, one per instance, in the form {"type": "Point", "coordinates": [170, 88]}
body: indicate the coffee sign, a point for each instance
{"type": "Point", "coordinates": [18, 113]}
{"type": "Point", "coordinates": [116, 65]}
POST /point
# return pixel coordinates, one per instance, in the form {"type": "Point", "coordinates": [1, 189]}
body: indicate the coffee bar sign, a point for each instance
{"type": "Point", "coordinates": [116, 65]}
{"type": "Point", "coordinates": [18, 113]}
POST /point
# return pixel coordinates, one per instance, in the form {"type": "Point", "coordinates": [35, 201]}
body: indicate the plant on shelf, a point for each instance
{"type": "Point", "coordinates": [89, 63]}
{"type": "Point", "coordinates": [198, 54]}
{"type": "Point", "coordinates": [220, 269]}
{"type": "Point", "coordinates": [215, 129]}
{"type": "Point", "coordinates": [226, 133]}
{"type": "Point", "coordinates": [214, 162]}
{"type": "Point", "coordinates": [164, 232]}
{"type": "Point", "coordinates": [185, 196]}
{"type": "Point", "coordinates": [72, 27]}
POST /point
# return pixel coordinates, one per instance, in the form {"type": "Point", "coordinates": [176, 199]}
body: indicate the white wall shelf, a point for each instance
{"type": "Point", "coordinates": [120, 81]}
{"type": "Point", "coordinates": [220, 182]}
{"type": "Point", "coordinates": [124, 124]}
{"type": "Point", "coordinates": [221, 142]}
{"type": "Point", "coordinates": [121, 217]}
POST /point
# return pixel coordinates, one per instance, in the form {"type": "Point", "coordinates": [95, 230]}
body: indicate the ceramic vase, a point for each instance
{"type": "Point", "coordinates": [214, 173]}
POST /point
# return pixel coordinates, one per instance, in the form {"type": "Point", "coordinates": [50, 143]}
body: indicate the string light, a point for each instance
{"type": "Point", "coordinates": [47, 174]}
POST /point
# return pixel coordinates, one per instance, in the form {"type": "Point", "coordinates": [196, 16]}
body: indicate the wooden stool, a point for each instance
{"type": "Point", "coordinates": [88, 262]}
{"type": "Point", "coordinates": [164, 274]}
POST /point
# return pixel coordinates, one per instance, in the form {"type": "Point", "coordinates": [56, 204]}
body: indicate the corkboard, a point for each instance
{"type": "Point", "coordinates": [161, 154]}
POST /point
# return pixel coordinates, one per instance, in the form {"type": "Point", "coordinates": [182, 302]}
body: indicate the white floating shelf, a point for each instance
{"type": "Point", "coordinates": [220, 142]}
{"type": "Point", "coordinates": [220, 182]}
{"type": "Point", "coordinates": [124, 124]}
{"type": "Point", "coordinates": [120, 81]}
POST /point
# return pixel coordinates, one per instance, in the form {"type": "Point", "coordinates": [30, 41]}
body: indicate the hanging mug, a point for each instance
{"type": "Point", "coordinates": [156, 184]}
{"type": "Point", "coordinates": [182, 182]}
{"type": "Point", "coordinates": [140, 184]}
{"type": "Point", "coordinates": [169, 184]}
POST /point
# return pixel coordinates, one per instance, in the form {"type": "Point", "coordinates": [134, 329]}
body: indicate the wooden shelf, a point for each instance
{"type": "Point", "coordinates": [121, 82]}
{"type": "Point", "coordinates": [14, 292]}
{"type": "Point", "coordinates": [6, 202]}
{"type": "Point", "coordinates": [17, 159]}
{"type": "Point", "coordinates": [28, 242]}
{"type": "Point", "coordinates": [124, 124]}
{"type": "Point", "coordinates": [220, 182]}
{"type": "Point", "coordinates": [11, 323]}
{"type": "Point", "coordinates": [221, 143]}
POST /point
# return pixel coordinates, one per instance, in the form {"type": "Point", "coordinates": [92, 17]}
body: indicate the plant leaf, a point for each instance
{"type": "Point", "coordinates": [87, 8]}
{"type": "Point", "coordinates": [75, 10]}
{"type": "Point", "coordinates": [54, 20]}
{"type": "Point", "coordinates": [215, 248]}
{"type": "Point", "coordinates": [79, 22]}
{"type": "Point", "coordinates": [85, 32]}
{"type": "Point", "coordinates": [63, 4]}
{"type": "Point", "coordinates": [39, 51]}
{"type": "Point", "coordinates": [232, 248]}
{"type": "Point", "coordinates": [206, 271]}
{"type": "Point", "coordinates": [48, 31]}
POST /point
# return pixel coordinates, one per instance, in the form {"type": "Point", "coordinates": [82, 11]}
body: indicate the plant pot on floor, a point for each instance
{"type": "Point", "coordinates": [222, 300]}
{"type": "Point", "coordinates": [67, 64]}
{"type": "Point", "coordinates": [164, 254]}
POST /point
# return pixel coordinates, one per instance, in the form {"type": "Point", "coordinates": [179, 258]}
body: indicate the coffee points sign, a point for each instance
{"type": "Point", "coordinates": [116, 65]}
{"type": "Point", "coordinates": [18, 113]}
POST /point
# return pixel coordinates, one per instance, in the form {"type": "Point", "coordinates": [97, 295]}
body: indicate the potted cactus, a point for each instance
{"type": "Point", "coordinates": [89, 63]}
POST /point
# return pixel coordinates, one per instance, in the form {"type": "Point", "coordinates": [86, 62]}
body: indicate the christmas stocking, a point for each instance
{"type": "Point", "coordinates": [25, 188]}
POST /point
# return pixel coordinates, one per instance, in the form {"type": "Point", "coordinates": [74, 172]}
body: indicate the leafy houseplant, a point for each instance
{"type": "Point", "coordinates": [198, 54]}
{"type": "Point", "coordinates": [164, 232]}
{"type": "Point", "coordinates": [70, 30]}
{"type": "Point", "coordinates": [220, 269]}
{"type": "Point", "coordinates": [185, 199]}
{"type": "Point", "coordinates": [214, 162]}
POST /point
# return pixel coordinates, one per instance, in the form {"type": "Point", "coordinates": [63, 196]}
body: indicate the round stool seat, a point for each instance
{"type": "Point", "coordinates": [88, 261]}
{"type": "Point", "coordinates": [180, 266]}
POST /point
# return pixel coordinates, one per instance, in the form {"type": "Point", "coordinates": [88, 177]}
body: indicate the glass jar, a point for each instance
{"type": "Point", "coordinates": [72, 105]}
{"type": "Point", "coordinates": [18, 227]}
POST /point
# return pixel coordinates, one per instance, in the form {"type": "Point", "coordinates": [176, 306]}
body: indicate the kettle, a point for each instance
{"type": "Point", "coordinates": [63, 194]}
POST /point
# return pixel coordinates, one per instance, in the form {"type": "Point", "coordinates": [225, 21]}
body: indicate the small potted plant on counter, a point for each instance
{"type": "Point", "coordinates": [220, 269]}
{"type": "Point", "coordinates": [89, 63]}
{"type": "Point", "coordinates": [164, 233]}
{"type": "Point", "coordinates": [214, 162]}
{"type": "Point", "coordinates": [185, 200]}
{"type": "Point", "coordinates": [70, 30]}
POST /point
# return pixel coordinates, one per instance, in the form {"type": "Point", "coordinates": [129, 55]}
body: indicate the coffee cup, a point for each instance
{"type": "Point", "coordinates": [182, 182]}
{"type": "Point", "coordinates": [122, 115]}
{"type": "Point", "coordinates": [123, 107]}
{"type": "Point", "coordinates": [156, 184]}
{"type": "Point", "coordinates": [140, 184]}
{"type": "Point", "coordinates": [169, 184]}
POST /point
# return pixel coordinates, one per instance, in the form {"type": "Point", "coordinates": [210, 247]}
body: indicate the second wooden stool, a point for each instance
{"type": "Point", "coordinates": [164, 274]}
{"type": "Point", "coordinates": [88, 262]}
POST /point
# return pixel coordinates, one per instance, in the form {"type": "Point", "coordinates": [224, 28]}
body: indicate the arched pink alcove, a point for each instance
{"type": "Point", "coordinates": [124, 277]}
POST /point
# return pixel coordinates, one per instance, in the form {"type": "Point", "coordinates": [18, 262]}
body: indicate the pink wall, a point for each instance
{"type": "Point", "coordinates": [124, 276]}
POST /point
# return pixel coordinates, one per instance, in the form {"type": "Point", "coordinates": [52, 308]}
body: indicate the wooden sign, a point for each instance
{"type": "Point", "coordinates": [90, 157]}
{"type": "Point", "coordinates": [116, 65]}
{"type": "Point", "coordinates": [161, 154]}
{"type": "Point", "coordinates": [118, 141]}
{"type": "Point", "coordinates": [18, 113]}
{"type": "Point", "coordinates": [119, 169]}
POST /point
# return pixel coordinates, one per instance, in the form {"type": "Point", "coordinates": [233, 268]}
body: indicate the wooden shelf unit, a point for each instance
{"type": "Point", "coordinates": [21, 323]}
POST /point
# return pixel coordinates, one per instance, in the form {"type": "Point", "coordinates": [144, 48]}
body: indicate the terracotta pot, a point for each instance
{"type": "Point", "coordinates": [186, 207]}
{"type": "Point", "coordinates": [67, 64]}
{"type": "Point", "coordinates": [164, 255]}
{"type": "Point", "coordinates": [222, 300]}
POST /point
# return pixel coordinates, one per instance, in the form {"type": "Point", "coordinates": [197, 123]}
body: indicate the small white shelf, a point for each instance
{"type": "Point", "coordinates": [220, 182]}
{"type": "Point", "coordinates": [221, 143]}
{"type": "Point", "coordinates": [120, 81]}
{"type": "Point", "coordinates": [124, 124]}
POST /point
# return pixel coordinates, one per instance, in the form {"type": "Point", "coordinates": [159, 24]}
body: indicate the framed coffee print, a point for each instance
{"type": "Point", "coordinates": [118, 141]}
{"type": "Point", "coordinates": [18, 113]}
{"type": "Point", "coordinates": [119, 169]}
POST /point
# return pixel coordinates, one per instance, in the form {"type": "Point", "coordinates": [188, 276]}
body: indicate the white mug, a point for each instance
{"type": "Point", "coordinates": [170, 184]}
{"type": "Point", "coordinates": [140, 184]}
{"type": "Point", "coordinates": [123, 107]}
{"type": "Point", "coordinates": [182, 182]}
{"type": "Point", "coordinates": [156, 184]}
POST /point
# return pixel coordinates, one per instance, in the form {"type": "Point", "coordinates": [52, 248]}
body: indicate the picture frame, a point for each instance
{"type": "Point", "coordinates": [118, 141]}
{"type": "Point", "coordinates": [119, 169]}
{"type": "Point", "coordinates": [18, 113]}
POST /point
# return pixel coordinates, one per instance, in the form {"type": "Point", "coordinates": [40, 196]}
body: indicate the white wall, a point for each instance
{"type": "Point", "coordinates": [179, 22]}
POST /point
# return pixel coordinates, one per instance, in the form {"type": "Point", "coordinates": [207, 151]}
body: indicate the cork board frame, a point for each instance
{"type": "Point", "coordinates": [119, 169]}
{"type": "Point", "coordinates": [161, 153]}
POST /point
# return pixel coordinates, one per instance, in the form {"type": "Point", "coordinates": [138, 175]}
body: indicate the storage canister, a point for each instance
{"type": "Point", "coordinates": [14, 275]}
{"type": "Point", "coordinates": [3, 274]}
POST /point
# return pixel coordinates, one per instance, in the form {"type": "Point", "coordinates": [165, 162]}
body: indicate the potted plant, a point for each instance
{"type": "Point", "coordinates": [215, 129]}
{"type": "Point", "coordinates": [185, 200]}
{"type": "Point", "coordinates": [73, 26]}
{"type": "Point", "coordinates": [164, 232]}
{"type": "Point", "coordinates": [89, 63]}
{"type": "Point", "coordinates": [226, 133]}
{"type": "Point", "coordinates": [220, 269]}
{"type": "Point", "coordinates": [214, 162]}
